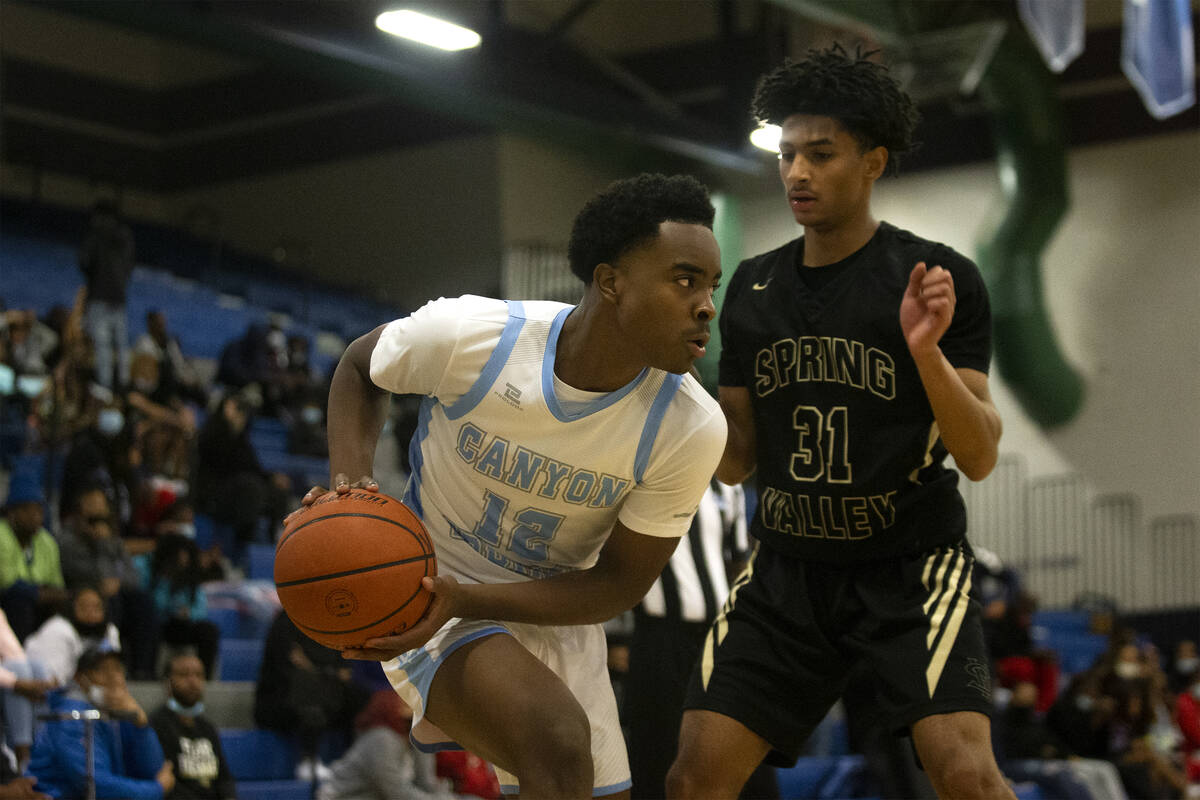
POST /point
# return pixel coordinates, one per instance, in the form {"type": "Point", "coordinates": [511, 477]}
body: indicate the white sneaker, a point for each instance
{"type": "Point", "coordinates": [310, 769]}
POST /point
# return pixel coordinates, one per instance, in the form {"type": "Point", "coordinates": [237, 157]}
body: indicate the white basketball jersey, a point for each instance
{"type": "Point", "coordinates": [517, 475]}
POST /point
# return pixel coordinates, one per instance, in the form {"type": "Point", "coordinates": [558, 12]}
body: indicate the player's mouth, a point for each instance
{"type": "Point", "coordinates": [802, 201]}
{"type": "Point", "coordinates": [697, 345]}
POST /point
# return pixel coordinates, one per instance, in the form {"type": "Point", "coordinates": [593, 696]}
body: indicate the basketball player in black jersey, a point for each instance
{"type": "Point", "coordinates": [854, 360]}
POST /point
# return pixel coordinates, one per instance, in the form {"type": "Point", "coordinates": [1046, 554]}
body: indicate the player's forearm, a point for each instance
{"type": "Point", "coordinates": [970, 427]}
{"type": "Point", "coordinates": [357, 410]}
{"type": "Point", "coordinates": [574, 598]}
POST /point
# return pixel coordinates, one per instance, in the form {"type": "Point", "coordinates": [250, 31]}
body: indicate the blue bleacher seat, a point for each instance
{"type": "Point", "coordinates": [274, 790]}
{"type": "Point", "coordinates": [227, 620]}
{"type": "Point", "coordinates": [806, 777]}
{"type": "Point", "coordinates": [255, 754]}
{"type": "Point", "coordinates": [260, 561]}
{"type": "Point", "coordinates": [1063, 620]}
{"type": "Point", "coordinates": [1076, 651]}
{"type": "Point", "coordinates": [239, 659]}
{"type": "Point", "coordinates": [209, 533]}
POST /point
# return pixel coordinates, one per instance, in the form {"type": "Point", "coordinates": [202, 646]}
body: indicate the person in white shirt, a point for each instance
{"type": "Point", "coordinates": [62, 639]}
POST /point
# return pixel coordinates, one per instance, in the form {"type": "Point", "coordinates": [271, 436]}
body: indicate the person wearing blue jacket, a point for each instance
{"type": "Point", "coordinates": [128, 760]}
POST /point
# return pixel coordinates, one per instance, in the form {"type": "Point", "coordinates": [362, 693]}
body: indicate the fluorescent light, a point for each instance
{"type": "Point", "coordinates": [766, 138]}
{"type": "Point", "coordinates": [427, 30]}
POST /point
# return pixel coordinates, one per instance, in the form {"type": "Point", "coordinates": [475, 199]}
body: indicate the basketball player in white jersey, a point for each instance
{"type": "Point", "coordinates": [560, 454]}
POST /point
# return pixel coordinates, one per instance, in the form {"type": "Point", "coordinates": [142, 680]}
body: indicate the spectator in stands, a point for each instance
{"type": "Point", "coordinates": [298, 381]}
{"type": "Point", "coordinates": [1010, 642]}
{"type": "Point", "coordinates": [230, 484]}
{"type": "Point", "coordinates": [63, 638]}
{"type": "Point", "coordinates": [24, 682]}
{"type": "Point", "coordinates": [106, 260]}
{"type": "Point", "coordinates": [30, 342]}
{"type": "Point", "coordinates": [1185, 665]}
{"type": "Point", "coordinates": [164, 430]}
{"type": "Point", "coordinates": [14, 785]}
{"type": "Point", "coordinates": [1080, 716]}
{"type": "Point", "coordinates": [247, 359]}
{"type": "Point", "coordinates": [307, 434]}
{"type": "Point", "coordinates": [175, 578]}
{"type": "Point", "coordinates": [31, 578]}
{"type": "Point", "coordinates": [128, 760]}
{"type": "Point", "coordinates": [1144, 771]}
{"type": "Point", "coordinates": [177, 379]}
{"type": "Point", "coordinates": [307, 690]}
{"type": "Point", "coordinates": [1021, 731]}
{"type": "Point", "coordinates": [73, 373]}
{"type": "Point", "coordinates": [102, 454]}
{"type": "Point", "coordinates": [382, 764]}
{"type": "Point", "coordinates": [179, 520]}
{"type": "Point", "coordinates": [1187, 717]}
{"type": "Point", "coordinates": [94, 555]}
{"type": "Point", "coordinates": [190, 741]}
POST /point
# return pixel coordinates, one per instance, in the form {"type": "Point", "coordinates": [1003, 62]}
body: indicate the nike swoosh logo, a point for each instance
{"type": "Point", "coordinates": [760, 286]}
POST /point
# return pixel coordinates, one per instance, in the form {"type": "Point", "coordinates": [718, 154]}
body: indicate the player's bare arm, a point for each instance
{"type": "Point", "coordinates": [357, 410]}
{"type": "Point", "coordinates": [738, 459]}
{"type": "Point", "coordinates": [962, 403]}
{"type": "Point", "coordinates": [627, 566]}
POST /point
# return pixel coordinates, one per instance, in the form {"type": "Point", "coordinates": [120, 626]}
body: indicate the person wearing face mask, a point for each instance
{"type": "Point", "coordinates": [94, 554]}
{"type": "Point", "coordinates": [127, 760]}
{"type": "Point", "coordinates": [166, 428]}
{"type": "Point", "coordinates": [1185, 666]}
{"type": "Point", "coordinates": [189, 739]}
{"type": "Point", "coordinates": [63, 638]}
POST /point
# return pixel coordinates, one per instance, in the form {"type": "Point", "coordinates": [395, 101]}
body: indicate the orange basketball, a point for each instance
{"type": "Point", "coordinates": [349, 568]}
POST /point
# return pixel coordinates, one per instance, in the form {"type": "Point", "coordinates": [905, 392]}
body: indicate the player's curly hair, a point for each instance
{"type": "Point", "coordinates": [856, 91]}
{"type": "Point", "coordinates": [628, 212]}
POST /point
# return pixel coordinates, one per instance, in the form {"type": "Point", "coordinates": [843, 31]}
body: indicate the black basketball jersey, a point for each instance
{"type": "Point", "coordinates": [848, 453]}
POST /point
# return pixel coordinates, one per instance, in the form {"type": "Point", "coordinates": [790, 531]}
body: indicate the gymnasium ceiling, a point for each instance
{"type": "Point", "coordinates": [168, 96]}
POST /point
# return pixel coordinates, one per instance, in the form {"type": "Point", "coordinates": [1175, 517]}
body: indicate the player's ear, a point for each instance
{"type": "Point", "coordinates": [604, 276]}
{"type": "Point", "coordinates": [876, 158]}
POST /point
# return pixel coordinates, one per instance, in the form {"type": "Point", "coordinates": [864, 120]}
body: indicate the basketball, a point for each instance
{"type": "Point", "coordinates": [349, 567]}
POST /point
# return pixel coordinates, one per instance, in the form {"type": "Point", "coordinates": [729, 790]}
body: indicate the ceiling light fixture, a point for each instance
{"type": "Point", "coordinates": [427, 30]}
{"type": "Point", "coordinates": [766, 137]}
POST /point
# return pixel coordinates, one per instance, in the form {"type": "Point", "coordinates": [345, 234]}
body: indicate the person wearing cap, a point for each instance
{"type": "Point", "coordinates": [127, 757]}
{"type": "Point", "coordinates": [31, 578]}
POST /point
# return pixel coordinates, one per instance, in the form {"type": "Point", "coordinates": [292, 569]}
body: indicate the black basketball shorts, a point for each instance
{"type": "Point", "coordinates": [782, 650]}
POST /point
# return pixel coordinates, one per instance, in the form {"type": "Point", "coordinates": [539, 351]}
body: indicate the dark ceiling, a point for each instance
{"type": "Point", "coordinates": [318, 82]}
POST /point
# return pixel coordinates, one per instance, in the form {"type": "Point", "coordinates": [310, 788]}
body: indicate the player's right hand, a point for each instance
{"type": "Point", "coordinates": [443, 608]}
{"type": "Point", "coordinates": [341, 485]}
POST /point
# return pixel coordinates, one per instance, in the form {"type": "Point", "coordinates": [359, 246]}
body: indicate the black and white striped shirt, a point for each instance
{"type": "Point", "coordinates": [694, 584]}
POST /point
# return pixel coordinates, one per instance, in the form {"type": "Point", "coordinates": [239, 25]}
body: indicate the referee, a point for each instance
{"type": "Point", "coordinates": [669, 629]}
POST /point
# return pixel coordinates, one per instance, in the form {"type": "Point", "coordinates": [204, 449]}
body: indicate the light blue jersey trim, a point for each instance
{"type": "Point", "coordinates": [426, 668]}
{"type": "Point", "coordinates": [599, 404]}
{"type": "Point", "coordinates": [512, 790]}
{"type": "Point", "coordinates": [654, 419]}
{"type": "Point", "coordinates": [495, 362]}
{"type": "Point", "coordinates": [416, 460]}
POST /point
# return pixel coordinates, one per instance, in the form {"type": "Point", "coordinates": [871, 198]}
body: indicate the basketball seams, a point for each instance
{"type": "Point", "coordinates": [344, 566]}
{"type": "Point", "coordinates": [287, 534]}
{"type": "Point", "coordinates": [328, 576]}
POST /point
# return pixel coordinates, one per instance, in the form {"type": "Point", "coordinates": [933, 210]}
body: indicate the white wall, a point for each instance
{"type": "Point", "coordinates": [1122, 282]}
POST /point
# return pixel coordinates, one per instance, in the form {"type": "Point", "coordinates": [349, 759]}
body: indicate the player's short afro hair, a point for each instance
{"type": "Point", "coordinates": [856, 91]}
{"type": "Point", "coordinates": [628, 212]}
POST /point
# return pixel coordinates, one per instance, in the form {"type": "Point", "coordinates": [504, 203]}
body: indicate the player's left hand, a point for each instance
{"type": "Point", "coordinates": [446, 591]}
{"type": "Point", "coordinates": [927, 307]}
